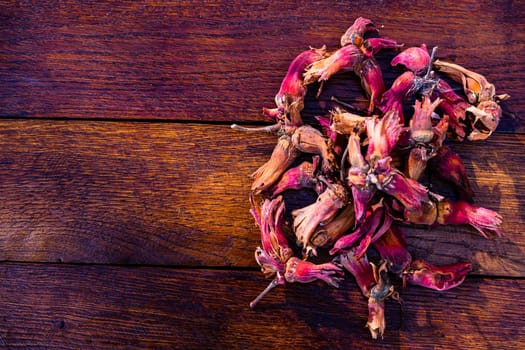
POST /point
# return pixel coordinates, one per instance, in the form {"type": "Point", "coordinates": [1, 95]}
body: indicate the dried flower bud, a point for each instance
{"type": "Point", "coordinates": [371, 46]}
{"type": "Point", "coordinates": [282, 157]}
{"type": "Point", "coordinates": [372, 81]}
{"type": "Point", "coordinates": [292, 84]}
{"type": "Point", "coordinates": [421, 123]}
{"type": "Point", "coordinates": [382, 136]}
{"type": "Point", "coordinates": [347, 123]}
{"type": "Point", "coordinates": [393, 98]}
{"type": "Point", "coordinates": [462, 213]}
{"type": "Point", "coordinates": [415, 59]}
{"type": "Point", "coordinates": [346, 58]}
{"type": "Point", "coordinates": [440, 278]}
{"type": "Point", "coordinates": [310, 140]}
{"type": "Point", "coordinates": [299, 177]}
{"type": "Point", "coordinates": [303, 271]}
{"type": "Point", "coordinates": [354, 34]}
{"type": "Point", "coordinates": [322, 211]}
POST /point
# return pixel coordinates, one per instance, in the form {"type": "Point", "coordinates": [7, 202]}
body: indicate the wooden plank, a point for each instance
{"type": "Point", "coordinates": [177, 194]}
{"type": "Point", "coordinates": [190, 60]}
{"type": "Point", "coordinates": [59, 307]}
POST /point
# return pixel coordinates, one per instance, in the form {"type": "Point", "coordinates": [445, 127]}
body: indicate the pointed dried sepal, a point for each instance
{"type": "Point", "coordinates": [344, 59]}
{"type": "Point", "coordinates": [360, 269]}
{"type": "Point", "coordinates": [297, 178]}
{"type": "Point", "coordinates": [307, 219]}
{"type": "Point", "coordinates": [392, 248]}
{"type": "Point", "coordinates": [415, 59]}
{"type": "Point", "coordinates": [303, 271]}
{"type": "Point", "coordinates": [354, 34]}
{"type": "Point", "coordinates": [440, 278]}
{"type": "Point", "coordinates": [372, 81]}
{"type": "Point", "coordinates": [310, 140]}
{"type": "Point", "coordinates": [462, 213]}
{"type": "Point", "coordinates": [283, 155]}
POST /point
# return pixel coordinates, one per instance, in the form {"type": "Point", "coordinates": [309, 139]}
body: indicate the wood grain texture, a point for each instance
{"type": "Point", "coordinates": [64, 307]}
{"type": "Point", "coordinates": [177, 194]}
{"type": "Point", "coordinates": [196, 60]}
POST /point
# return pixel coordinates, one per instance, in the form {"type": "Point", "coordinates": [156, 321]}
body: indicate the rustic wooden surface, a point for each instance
{"type": "Point", "coordinates": [124, 215]}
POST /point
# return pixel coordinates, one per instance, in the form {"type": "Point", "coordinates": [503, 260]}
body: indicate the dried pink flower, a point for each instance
{"type": "Point", "coordinates": [307, 219]}
{"type": "Point", "coordinates": [415, 59]}
{"type": "Point", "coordinates": [283, 155]}
{"type": "Point", "coordinates": [393, 98]}
{"type": "Point", "coordinates": [299, 177]}
{"type": "Point", "coordinates": [346, 58]}
{"type": "Point", "coordinates": [382, 136]}
{"type": "Point", "coordinates": [371, 46]}
{"type": "Point", "coordinates": [463, 213]}
{"type": "Point", "coordinates": [310, 140]}
{"type": "Point", "coordinates": [360, 268]}
{"type": "Point", "coordinates": [303, 271]}
{"type": "Point", "coordinates": [372, 81]}
{"type": "Point", "coordinates": [354, 34]}
{"type": "Point", "coordinates": [440, 278]}
{"type": "Point", "coordinates": [275, 251]}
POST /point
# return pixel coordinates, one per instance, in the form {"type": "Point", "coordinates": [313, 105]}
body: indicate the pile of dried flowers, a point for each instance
{"type": "Point", "coordinates": [367, 170]}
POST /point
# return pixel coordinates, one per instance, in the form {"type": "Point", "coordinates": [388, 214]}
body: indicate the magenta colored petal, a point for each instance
{"type": "Point", "coordinates": [303, 271]}
{"type": "Point", "coordinates": [460, 212]}
{"type": "Point", "coordinates": [374, 45]}
{"type": "Point", "coordinates": [392, 248]}
{"type": "Point", "coordinates": [360, 269]}
{"type": "Point", "coordinates": [409, 192]}
{"type": "Point", "coordinates": [362, 197]}
{"type": "Point", "coordinates": [415, 59]}
{"type": "Point", "coordinates": [440, 278]}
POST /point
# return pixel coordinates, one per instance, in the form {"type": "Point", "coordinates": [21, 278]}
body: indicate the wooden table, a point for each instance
{"type": "Point", "coordinates": [124, 216]}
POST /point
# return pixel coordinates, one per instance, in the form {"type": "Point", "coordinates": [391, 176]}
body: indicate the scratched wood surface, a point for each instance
{"type": "Point", "coordinates": [124, 213]}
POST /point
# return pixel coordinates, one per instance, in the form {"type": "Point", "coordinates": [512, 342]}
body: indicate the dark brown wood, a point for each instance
{"type": "Point", "coordinates": [189, 60]}
{"type": "Point", "coordinates": [177, 194]}
{"type": "Point", "coordinates": [59, 307]}
{"type": "Point", "coordinates": [105, 196]}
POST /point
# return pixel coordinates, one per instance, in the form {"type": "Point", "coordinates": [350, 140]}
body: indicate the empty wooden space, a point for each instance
{"type": "Point", "coordinates": [124, 212]}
